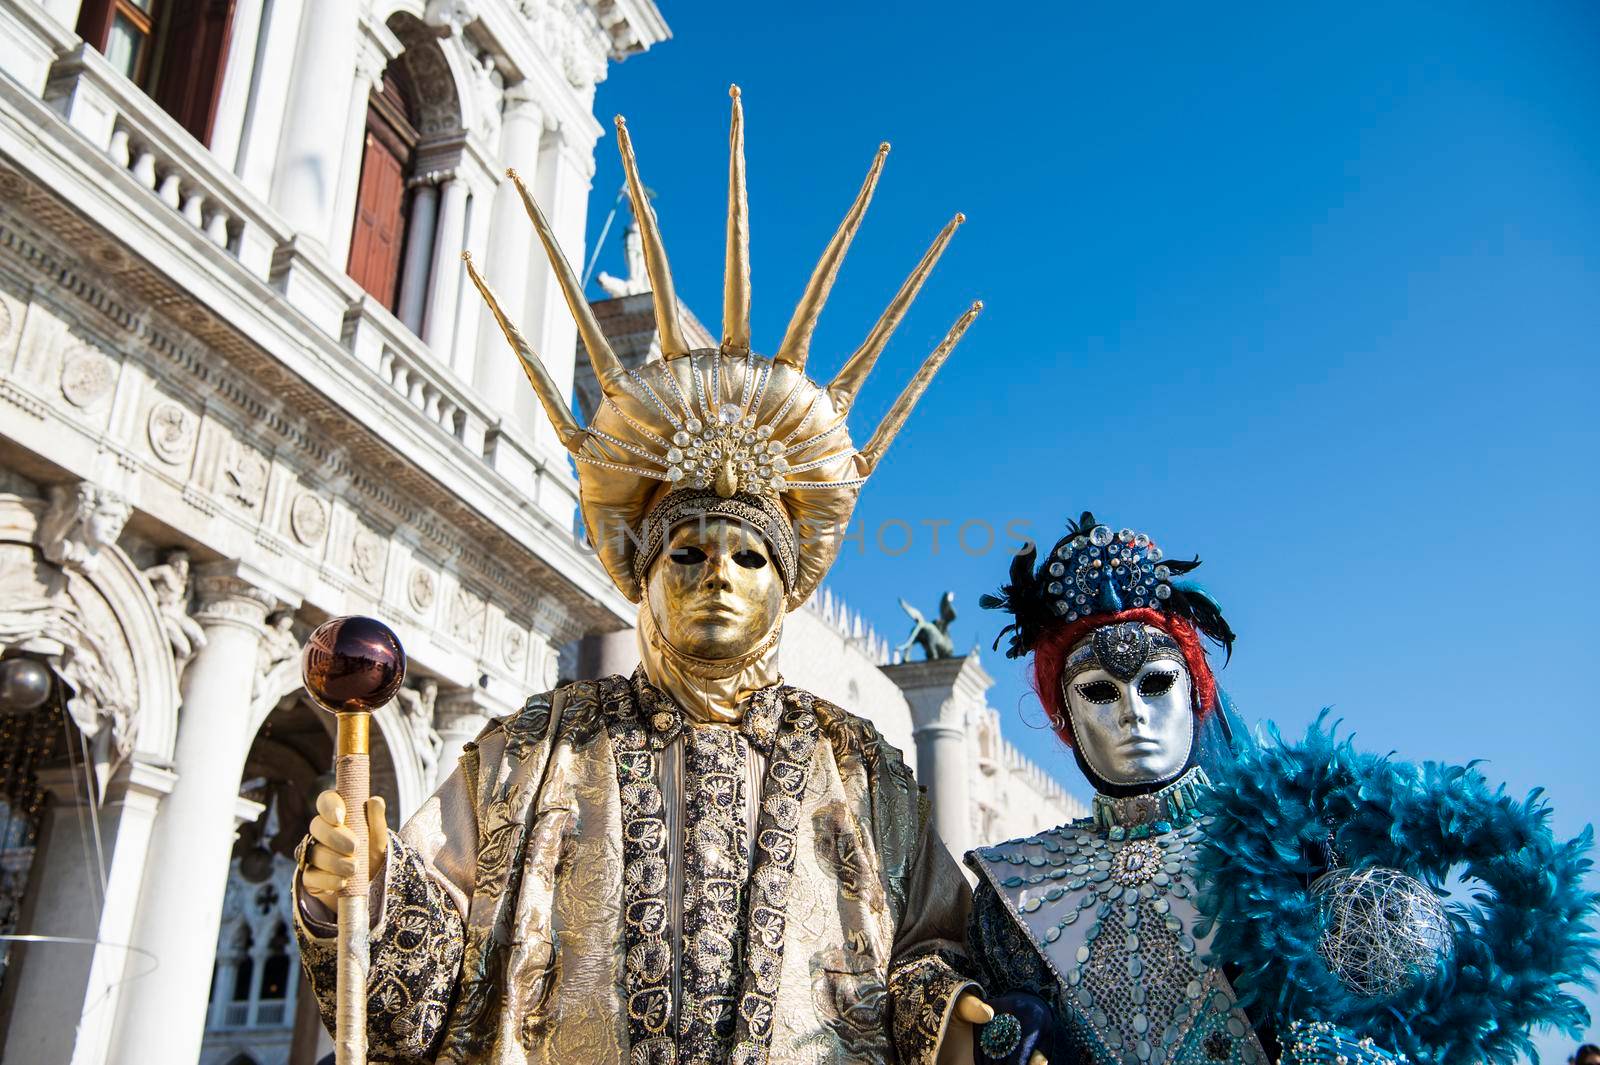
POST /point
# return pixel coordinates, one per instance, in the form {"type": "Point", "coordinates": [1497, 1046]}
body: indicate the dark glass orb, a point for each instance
{"type": "Point", "coordinates": [25, 685]}
{"type": "Point", "coordinates": [353, 663]}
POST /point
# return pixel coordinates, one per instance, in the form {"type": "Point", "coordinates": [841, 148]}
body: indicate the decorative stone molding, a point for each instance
{"type": "Point", "coordinates": [244, 477]}
{"type": "Point", "coordinates": [367, 553]}
{"type": "Point", "coordinates": [93, 617]}
{"type": "Point", "coordinates": [83, 518]}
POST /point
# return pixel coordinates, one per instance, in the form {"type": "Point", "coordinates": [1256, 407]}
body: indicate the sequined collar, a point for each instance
{"type": "Point", "coordinates": [763, 711]}
{"type": "Point", "coordinates": [1156, 811]}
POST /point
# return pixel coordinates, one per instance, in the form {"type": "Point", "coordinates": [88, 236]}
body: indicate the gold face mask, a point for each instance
{"type": "Point", "coordinates": [708, 635]}
{"type": "Point", "coordinates": [715, 591]}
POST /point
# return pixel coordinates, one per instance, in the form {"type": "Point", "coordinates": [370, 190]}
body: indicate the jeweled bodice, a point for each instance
{"type": "Point", "coordinates": [1109, 909]}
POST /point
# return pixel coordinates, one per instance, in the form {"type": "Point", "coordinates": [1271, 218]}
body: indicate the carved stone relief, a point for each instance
{"type": "Point", "coordinates": [308, 519]}
{"type": "Point", "coordinates": [366, 557]}
{"type": "Point", "coordinates": [82, 519]}
{"type": "Point", "coordinates": [422, 589]}
{"type": "Point", "coordinates": [467, 616]}
{"type": "Point", "coordinates": [515, 647]}
{"type": "Point", "coordinates": [170, 582]}
{"type": "Point", "coordinates": [53, 610]}
{"type": "Point", "coordinates": [244, 477]}
{"type": "Point", "coordinates": [87, 376]}
{"type": "Point", "coordinates": [172, 431]}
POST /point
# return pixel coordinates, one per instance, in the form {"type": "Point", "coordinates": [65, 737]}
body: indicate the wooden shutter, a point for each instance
{"type": "Point", "coordinates": [380, 221]}
{"type": "Point", "coordinates": [194, 51]}
{"type": "Point", "coordinates": [378, 241]}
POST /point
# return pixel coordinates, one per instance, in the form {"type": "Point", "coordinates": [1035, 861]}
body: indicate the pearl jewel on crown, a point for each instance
{"type": "Point", "coordinates": [732, 454]}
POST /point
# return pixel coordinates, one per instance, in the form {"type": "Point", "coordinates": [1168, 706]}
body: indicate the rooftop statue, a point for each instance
{"type": "Point", "coordinates": [932, 636]}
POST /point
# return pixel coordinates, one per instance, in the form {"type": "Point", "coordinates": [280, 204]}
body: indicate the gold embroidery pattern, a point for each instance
{"type": "Point", "coordinates": [713, 899]}
{"type": "Point", "coordinates": [920, 994]}
{"type": "Point", "coordinates": [783, 789]}
{"type": "Point", "coordinates": [647, 971]}
{"type": "Point", "coordinates": [415, 957]}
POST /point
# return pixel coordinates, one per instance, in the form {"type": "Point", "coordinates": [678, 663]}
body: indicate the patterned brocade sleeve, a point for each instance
{"type": "Point", "coordinates": [418, 939]}
{"type": "Point", "coordinates": [929, 969]}
{"type": "Point", "coordinates": [416, 958]}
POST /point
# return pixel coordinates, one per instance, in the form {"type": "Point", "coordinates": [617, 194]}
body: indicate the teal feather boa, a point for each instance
{"type": "Point", "coordinates": [1523, 935]}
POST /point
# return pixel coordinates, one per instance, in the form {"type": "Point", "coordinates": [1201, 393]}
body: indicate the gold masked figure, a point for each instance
{"type": "Point", "coordinates": [700, 863]}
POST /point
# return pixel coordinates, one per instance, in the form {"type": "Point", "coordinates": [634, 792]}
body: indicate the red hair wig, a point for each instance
{"type": "Point", "coordinates": [1050, 655]}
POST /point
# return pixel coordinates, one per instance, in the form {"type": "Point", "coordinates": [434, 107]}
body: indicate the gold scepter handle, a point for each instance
{"type": "Point", "coordinates": [351, 667]}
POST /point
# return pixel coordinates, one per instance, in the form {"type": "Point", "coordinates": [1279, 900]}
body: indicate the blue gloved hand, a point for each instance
{"type": "Point", "coordinates": [1023, 1026]}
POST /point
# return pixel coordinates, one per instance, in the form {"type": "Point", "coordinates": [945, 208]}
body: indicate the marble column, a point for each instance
{"type": "Point", "coordinates": [458, 717]}
{"type": "Point", "coordinates": [163, 1015]}
{"type": "Point", "coordinates": [238, 73]}
{"type": "Point", "coordinates": [438, 328]}
{"type": "Point", "coordinates": [311, 155]}
{"type": "Point", "coordinates": [65, 996]}
{"type": "Point", "coordinates": [419, 253]}
{"type": "Point", "coordinates": [943, 695]}
{"type": "Point", "coordinates": [512, 247]}
{"type": "Point", "coordinates": [262, 130]}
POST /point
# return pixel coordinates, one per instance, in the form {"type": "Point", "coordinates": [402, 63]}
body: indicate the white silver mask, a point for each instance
{"type": "Point", "coordinates": [1127, 690]}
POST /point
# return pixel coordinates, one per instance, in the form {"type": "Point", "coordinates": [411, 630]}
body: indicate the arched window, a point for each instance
{"type": "Point", "coordinates": [172, 49]}
{"type": "Point", "coordinates": [275, 973]}
{"type": "Point", "coordinates": [387, 161]}
{"type": "Point", "coordinates": [244, 973]}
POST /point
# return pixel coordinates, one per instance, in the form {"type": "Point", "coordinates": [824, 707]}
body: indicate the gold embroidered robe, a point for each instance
{"type": "Point", "coordinates": [533, 909]}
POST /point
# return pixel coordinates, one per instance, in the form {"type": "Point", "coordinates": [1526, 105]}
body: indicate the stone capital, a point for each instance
{"type": "Point", "coordinates": [942, 693]}
{"type": "Point", "coordinates": [224, 597]}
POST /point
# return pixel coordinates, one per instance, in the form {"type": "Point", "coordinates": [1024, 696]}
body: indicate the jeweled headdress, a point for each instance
{"type": "Point", "coordinates": [735, 429]}
{"type": "Point", "coordinates": [1093, 571]}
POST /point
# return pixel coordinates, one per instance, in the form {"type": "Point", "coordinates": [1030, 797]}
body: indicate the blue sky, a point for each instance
{"type": "Point", "coordinates": [1313, 294]}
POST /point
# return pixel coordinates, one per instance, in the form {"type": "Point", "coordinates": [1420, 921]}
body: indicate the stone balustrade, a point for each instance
{"type": "Point", "coordinates": [162, 157]}
{"type": "Point", "coordinates": [408, 367]}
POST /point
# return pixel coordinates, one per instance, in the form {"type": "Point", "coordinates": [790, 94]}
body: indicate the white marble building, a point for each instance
{"type": "Point", "coordinates": [243, 389]}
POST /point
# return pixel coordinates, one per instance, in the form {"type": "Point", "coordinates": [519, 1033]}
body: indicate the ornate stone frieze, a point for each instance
{"type": "Point", "coordinates": [244, 476]}
{"type": "Point", "coordinates": [246, 386]}
{"type": "Point", "coordinates": [468, 614]}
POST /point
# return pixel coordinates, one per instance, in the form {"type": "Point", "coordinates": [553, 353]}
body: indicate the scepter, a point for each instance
{"type": "Point", "coordinates": [351, 667]}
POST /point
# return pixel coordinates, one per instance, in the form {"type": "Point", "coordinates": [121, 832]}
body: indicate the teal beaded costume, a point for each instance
{"type": "Point", "coordinates": [1098, 918]}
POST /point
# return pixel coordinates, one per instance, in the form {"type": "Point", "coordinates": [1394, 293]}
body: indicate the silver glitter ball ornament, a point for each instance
{"type": "Point", "coordinates": [1383, 932]}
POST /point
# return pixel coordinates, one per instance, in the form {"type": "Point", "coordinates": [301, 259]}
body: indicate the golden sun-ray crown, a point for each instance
{"type": "Point", "coordinates": [723, 420]}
